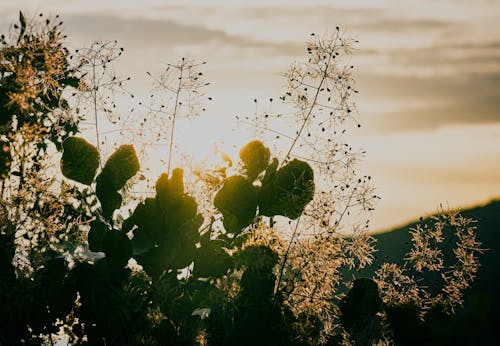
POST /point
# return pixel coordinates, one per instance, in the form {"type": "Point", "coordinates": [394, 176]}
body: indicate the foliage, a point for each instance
{"type": "Point", "coordinates": [164, 274]}
{"type": "Point", "coordinates": [288, 190]}
{"type": "Point", "coordinates": [34, 72]}
{"type": "Point", "coordinates": [255, 157]}
{"type": "Point", "coordinates": [35, 75]}
{"type": "Point", "coordinates": [80, 160]}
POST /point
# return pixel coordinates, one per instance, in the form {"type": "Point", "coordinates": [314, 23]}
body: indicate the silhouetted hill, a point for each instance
{"type": "Point", "coordinates": [478, 323]}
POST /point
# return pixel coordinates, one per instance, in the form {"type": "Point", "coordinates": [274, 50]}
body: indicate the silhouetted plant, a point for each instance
{"type": "Point", "coordinates": [318, 109]}
{"type": "Point", "coordinates": [264, 268]}
{"type": "Point", "coordinates": [36, 118]}
{"type": "Point", "coordinates": [98, 83]}
{"type": "Point", "coordinates": [178, 93]}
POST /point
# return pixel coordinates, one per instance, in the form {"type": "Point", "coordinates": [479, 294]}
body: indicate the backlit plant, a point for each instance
{"type": "Point", "coordinates": [266, 267]}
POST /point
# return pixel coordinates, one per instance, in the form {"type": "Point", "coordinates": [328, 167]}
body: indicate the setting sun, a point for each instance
{"type": "Point", "coordinates": [426, 75]}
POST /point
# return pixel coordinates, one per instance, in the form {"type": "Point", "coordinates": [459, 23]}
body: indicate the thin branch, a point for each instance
{"type": "Point", "coordinates": [174, 115]}
{"type": "Point", "coordinates": [313, 104]}
{"type": "Point", "coordinates": [94, 96]}
{"type": "Point", "coordinates": [285, 258]}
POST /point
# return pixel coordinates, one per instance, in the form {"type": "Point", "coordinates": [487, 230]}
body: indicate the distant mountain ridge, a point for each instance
{"type": "Point", "coordinates": [478, 323]}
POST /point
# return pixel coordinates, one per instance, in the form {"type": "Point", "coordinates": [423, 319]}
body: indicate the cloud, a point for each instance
{"type": "Point", "coordinates": [460, 112]}
{"type": "Point", "coordinates": [401, 25]}
{"type": "Point", "coordinates": [143, 33]}
{"type": "Point", "coordinates": [450, 81]}
{"type": "Point", "coordinates": [422, 104]}
{"type": "Point", "coordinates": [451, 58]}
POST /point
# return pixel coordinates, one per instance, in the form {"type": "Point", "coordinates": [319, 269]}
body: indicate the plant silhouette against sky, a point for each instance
{"type": "Point", "coordinates": [270, 261]}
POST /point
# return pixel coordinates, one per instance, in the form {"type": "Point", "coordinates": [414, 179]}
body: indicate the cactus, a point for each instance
{"type": "Point", "coordinates": [255, 157]}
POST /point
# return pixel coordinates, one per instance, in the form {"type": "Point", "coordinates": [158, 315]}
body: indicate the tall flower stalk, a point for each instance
{"type": "Point", "coordinates": [177, 93]}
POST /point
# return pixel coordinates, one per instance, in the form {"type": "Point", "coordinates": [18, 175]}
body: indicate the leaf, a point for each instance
{"type": "Point", "coordinates": [211, 259]}
{"type": "Point", "coordinates": [148, 218]}
{"type": "Point", "coordinates": [361, 303]}
{"type": "Point", "coordinates": [141, 242]}
{"type": "Point", "coordinates": [117, 247]}
{"type": "Point", "coordinates": [255, 157]}
{"type": "Point", "coordinates": [122, 165]}
{"type": "Point", "coordinates": [168, 189]}
{"type": "Point", "coordinates": [166, 234]}
{"type": "Point", "coordinates": [288, 190]}
{"type": "Point", "coordinates": [237, 201]}
{"type": "Point", "coordinates": [96, 236]}
{"type": "Point", "coordinates": [110, 199]}
{"type": "Point", "coordinates": [119, 168]}
{"type": "Point", "coordinates": [270, 172]}
{"type": "Point", "coordinates": [80, 160]}
{"type": "Point", "coordinates": [167, 227]}
{"type": "Point", "coordinates": [152, 262]}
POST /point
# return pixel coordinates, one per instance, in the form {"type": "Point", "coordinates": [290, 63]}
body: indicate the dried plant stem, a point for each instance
{"type": "Point", "coordinates": [174, 115]}
{"type": "Point", "coordinates": [309, 112]}
{"type": "Point", "coordinates": [94, 96]}
{"type": "Point", "coordinates": [285, 258]}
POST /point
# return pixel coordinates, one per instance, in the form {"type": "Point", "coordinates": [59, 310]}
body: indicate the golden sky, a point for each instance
{"type": "Point", "coordinates": [428, 72]}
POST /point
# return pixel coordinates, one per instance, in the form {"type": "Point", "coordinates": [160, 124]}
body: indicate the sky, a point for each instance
{"type": "Point", "coordinates": [428, 74]}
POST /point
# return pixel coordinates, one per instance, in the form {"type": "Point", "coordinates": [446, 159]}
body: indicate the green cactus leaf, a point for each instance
{"type": "Point", "coordinates": [255, 157]}
{"type": "Point", "coordinates": [288, 190]}
{"type": "Point", "coordinates": [237, 201]}
{"type": "Point", "coordinates": [110, 199]}
{"type": "Point", "coordinates": [96, 236]}
{"type": "Point", "coordinates": [117, 247]}
{"type": "Point", "coordinates": [167, 227]}
{"type": "Point", "coordinates": [141, 242]}
{"type": "Point", "coordinates": [122, 165]}
{"type": "Point", "coordinates": [211, 259]}
{"type": "Point", "coordinates": [80, 160]}
{"type": "Point", "coordinates": [153, 261]}
{"type": "Point", "coordinates": [170, 189]}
